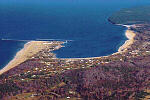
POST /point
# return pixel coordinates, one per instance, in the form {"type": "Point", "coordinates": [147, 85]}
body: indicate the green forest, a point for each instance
{"type": "Point", "coordinates": [128, 16]}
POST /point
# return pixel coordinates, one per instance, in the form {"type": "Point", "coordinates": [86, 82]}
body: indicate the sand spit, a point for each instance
{"type": "Point", "coordinates": [30, 49]}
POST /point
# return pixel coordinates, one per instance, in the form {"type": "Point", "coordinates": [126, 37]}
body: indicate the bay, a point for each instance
{"type": "Point", "coordinates": [82, 21]}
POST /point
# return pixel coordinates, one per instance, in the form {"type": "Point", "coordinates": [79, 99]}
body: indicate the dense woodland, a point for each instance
{"type": "Point", "coordinates": [137, 15]}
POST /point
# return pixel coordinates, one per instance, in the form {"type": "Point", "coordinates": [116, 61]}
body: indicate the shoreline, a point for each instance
{"type": "Point", "coordinates": [31, 48]}
{"type": "Point", "coordinates": [130, 36]}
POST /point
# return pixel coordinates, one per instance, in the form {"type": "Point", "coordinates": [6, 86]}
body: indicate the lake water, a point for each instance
{"type": "Point", "coordinates": [82, 21]}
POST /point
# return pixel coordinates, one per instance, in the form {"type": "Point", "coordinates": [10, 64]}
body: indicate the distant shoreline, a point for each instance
{"type": "Point", "coordinates": [31, 48]}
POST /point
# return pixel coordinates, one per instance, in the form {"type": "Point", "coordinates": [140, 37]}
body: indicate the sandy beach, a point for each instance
{"type": "Point", "coordinates": [130, 35]}
{"type": "Point", "coordinates": [27, 52]}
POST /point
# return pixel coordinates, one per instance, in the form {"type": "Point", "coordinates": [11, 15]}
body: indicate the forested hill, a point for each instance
{"type": "Point", "coordinates": [136, 15]}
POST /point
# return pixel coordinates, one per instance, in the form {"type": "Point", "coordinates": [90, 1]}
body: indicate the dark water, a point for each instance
{"type": "Point", "coordinates": [83, 21]}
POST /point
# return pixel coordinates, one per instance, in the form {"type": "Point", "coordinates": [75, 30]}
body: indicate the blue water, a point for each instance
{"type": "Point", "coordinates": [83, 21]}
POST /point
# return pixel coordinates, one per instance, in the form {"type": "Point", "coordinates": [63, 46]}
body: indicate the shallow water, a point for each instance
{"type": "Point", "coordinates": [83, 21]}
